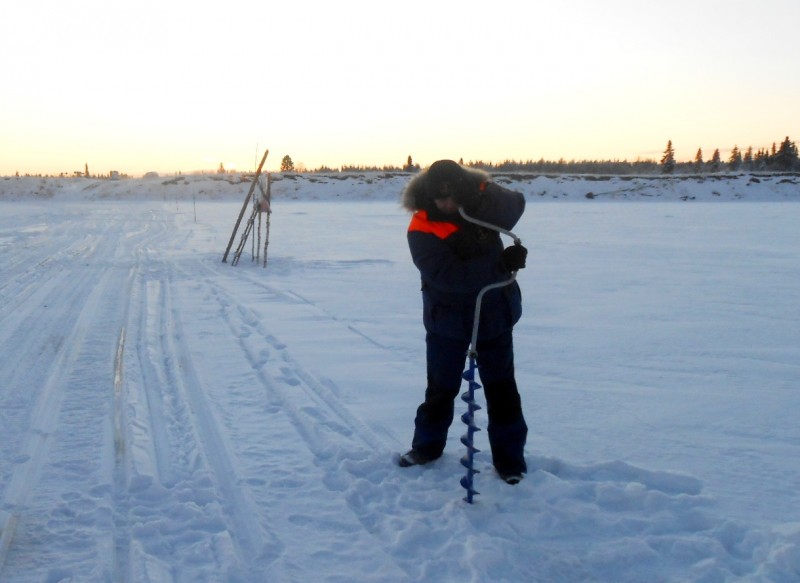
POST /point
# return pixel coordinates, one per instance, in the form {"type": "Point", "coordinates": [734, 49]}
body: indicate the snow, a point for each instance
{"type": "Point", "coordinates": [169, 417]}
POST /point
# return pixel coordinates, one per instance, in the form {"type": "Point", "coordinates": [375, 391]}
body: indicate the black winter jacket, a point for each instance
{"type": "Point", "coordinates": [456, 259]}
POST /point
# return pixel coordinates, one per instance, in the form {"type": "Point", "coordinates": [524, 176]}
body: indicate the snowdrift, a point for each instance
{"type": "Point", "coordinates": [388, 185]}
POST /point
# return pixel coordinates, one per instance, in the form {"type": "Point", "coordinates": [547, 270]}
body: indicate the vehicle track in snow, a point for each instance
{"type": "Point", "coordinates": [353, 464]}
{"type": "Point", "coordinates": [35, 442]}
{"type": "Point", "coordinates": [26, 272]}
{"type": "Point", "coordinates": [264, 416]}
{"type": "Point", "coordinates": [172, 459]}
{"type": "Point", "coordinates": [58, 397]}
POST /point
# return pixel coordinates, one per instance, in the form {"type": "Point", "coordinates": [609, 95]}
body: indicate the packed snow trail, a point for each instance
{"type": "Point", "coordinates": [66, 301]}
{"type": "Point", "coordinates": [116, 403]}
{"type": "Point", "coordinates": [167, 417]}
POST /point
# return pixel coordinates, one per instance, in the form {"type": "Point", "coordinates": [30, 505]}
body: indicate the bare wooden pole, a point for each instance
{"type": "Point", "coordinates": [244, 207]}
{"type": "Point", "coordinates": [269, 213]}
{"type": "Point", "coordinates": [243, 241]}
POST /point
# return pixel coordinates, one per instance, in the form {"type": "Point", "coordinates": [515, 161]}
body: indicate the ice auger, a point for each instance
{"type": "Point", "coordinates": [469, 375]}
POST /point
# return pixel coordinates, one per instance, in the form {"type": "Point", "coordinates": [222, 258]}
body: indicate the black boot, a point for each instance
{"type": "Point", "coordinates": [414, 457]}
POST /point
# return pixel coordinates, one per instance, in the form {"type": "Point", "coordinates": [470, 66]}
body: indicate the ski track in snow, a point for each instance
{"type": "Point", "coordinates": [55, 390]}
{"type": "Point", "coordinates": [143, 453]}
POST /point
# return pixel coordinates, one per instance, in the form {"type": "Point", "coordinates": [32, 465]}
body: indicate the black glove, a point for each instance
{"type": "Point", "coordinates": [513, 258]}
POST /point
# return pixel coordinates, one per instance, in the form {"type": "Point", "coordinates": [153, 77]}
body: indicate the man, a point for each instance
{"type": "Point", "coordinates": [456, 259]}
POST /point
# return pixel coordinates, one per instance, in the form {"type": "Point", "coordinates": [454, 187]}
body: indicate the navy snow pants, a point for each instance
{"type": "Point", "coordinates": [507, 428]}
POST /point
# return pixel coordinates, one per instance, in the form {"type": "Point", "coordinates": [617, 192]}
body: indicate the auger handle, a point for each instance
{"type": "Point", "coordinates": [476, 319]}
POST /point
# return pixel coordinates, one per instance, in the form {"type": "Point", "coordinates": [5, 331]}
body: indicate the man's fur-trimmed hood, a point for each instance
{"type": "Point", "coordinates": [416, 193]}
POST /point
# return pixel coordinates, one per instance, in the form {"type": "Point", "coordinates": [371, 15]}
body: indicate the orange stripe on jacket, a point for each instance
{"type": "Point", "coordinates": [420, 222]}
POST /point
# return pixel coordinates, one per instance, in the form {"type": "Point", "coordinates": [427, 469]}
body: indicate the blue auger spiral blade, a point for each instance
{"type": "Point", "coordinates": [472, 404]}
{"type": "Point", "coordinates": [466, 439]}
{"type": "Point", "coordinates": [466, 483]}
{"type": "Point", "coordinates": [469, 376]}
{"type": "Point", "coordinates": [469, 421]}
{"type": "Point", "coordinates": [468, 397]}
{"type": "Point", "coordinates": [473, 386]}
{"type": "Point", "coordinates": [467, 462]}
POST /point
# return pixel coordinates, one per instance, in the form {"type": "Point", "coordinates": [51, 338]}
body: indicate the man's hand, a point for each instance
{"type": "Point", "coordinates": [513, 258]}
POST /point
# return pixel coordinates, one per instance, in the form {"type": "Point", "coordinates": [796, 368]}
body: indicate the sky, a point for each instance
{"type": "Point", "coordinates": [178, 86]}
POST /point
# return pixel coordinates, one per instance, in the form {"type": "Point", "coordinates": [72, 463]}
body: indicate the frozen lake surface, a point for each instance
{"type": "Point", "coordinates": [168, 417]}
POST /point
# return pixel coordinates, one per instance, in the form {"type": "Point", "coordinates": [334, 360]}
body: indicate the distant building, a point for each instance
{"type": "Point", "coordinates": [151, 175]}
{"type": "Point", "coordinates": [113, 175]}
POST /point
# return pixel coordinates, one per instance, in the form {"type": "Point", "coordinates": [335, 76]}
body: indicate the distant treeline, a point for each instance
{"type": "Point", "coordinates": [779, 158]}
{"type": "Point", "coordinates": [540, 167]}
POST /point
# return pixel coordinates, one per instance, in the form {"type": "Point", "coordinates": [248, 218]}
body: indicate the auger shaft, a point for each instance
{"type": "Point", "coordinates": [468, 461]}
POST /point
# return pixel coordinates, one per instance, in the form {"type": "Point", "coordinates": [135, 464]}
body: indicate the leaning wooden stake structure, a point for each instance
{"type": "Point", "coordinates": [261, 204]}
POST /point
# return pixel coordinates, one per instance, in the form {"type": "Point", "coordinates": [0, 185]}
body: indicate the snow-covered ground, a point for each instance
{"type": "Point", "coordinates": [168, 417]}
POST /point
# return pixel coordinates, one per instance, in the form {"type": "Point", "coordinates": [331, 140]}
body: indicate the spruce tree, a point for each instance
{"type": "Point", "coordinates": [716, 161]}
{"type": "Point", "coordinates": [668, 160]}
{"type": "Point", "coordinates": [286, 164]}
{"type": "Point", "coordinates": [698, 160]}
{"type": "Point", "coordinates": [735, 159]}
{"type": "Point", "coordinates": [748, 158]}
{"type": "Point", "coordinates": [786, 157]}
